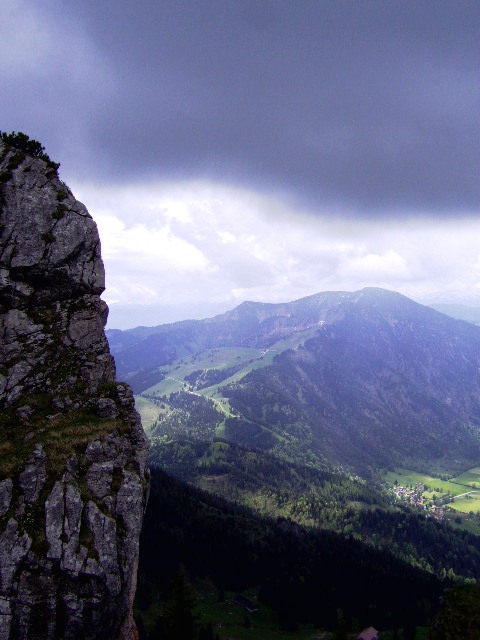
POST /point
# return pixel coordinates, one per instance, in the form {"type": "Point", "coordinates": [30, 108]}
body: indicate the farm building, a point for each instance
{"type": "Point", "coordinates": [368, 634]}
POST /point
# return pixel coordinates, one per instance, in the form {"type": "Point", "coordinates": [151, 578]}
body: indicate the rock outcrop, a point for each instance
{"type": "Point", "coordinates": [72, 451]}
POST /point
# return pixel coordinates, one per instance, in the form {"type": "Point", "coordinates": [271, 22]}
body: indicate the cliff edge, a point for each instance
{"type": "Point", "coordinates": [72, 450]}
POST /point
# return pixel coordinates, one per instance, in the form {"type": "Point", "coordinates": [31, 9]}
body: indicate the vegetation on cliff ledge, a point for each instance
{"type": "Point", "coordinates": [24, 143]}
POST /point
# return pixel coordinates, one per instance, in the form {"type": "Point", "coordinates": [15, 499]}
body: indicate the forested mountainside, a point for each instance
{"type": "Point", "coordinates": [363, 379]}
{"type": "Point", "coordinates": [305, 576]}
{"type": "Point", "coordinates": [324, 498]}
{"type": "Point", "coordinates": [232, 574]}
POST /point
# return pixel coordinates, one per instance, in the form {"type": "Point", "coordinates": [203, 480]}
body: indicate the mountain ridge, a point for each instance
{"type": "Point", "coordinates": [241, 326]}
{"type": "Point", "coordinates": [373, 377]}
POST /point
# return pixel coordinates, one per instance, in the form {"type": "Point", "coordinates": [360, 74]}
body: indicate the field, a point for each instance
{"type": "Point", "coordinates": [210, 359]}
{"type": "Point", "coordinates": [470, 478]}
{"type": "Point", "coordinates": [232, 621]}
{"type": "Point", "coordinates": [244, 358]}
{"type": "Point", "coordinates": [467, 504]}
{"type": "Point", "coordinates": [247, 358]}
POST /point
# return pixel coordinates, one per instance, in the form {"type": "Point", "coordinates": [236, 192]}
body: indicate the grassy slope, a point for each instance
{"type": "Point", "coordinates": [148, 411]}
{"type": "Point", "coordinates": [467, 504]}
{"type": "Point", "coordinates": [470, 478]}
{"type": "Point", "coordinates": [222, 358]}
{"type": "Point", "coordinates": [229, 620]}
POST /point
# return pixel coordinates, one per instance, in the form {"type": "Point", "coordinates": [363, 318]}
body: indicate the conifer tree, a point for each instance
{"type": "Point", "coordinates": [180, 620]}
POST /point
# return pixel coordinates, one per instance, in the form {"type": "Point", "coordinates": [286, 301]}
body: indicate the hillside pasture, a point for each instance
{"type": "Point", "coordinates": [221, 358]}
{"type": "Point", "coordinates": [148, 411]}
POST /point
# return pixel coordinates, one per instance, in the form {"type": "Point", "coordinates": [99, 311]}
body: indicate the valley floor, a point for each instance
{"type": "Point", "coordinates": [456, 500]}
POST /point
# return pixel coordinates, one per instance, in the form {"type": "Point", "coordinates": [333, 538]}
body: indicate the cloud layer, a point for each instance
{"type": "Point", "coordinates": [262, 150]}
{"type": "Point", "coordinates": [371, 105]}
{"type": "Point", "coordinates": [193, 245]}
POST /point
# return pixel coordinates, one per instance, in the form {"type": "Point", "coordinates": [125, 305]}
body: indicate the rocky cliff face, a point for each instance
{"type": "Point", "coordinates": [72, 450]}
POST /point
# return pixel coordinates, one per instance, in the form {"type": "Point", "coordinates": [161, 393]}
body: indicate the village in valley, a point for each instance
{"type": "Point", "coordinates": [415, 497]}
{"type": "Point", "coordinates": [455, 499]}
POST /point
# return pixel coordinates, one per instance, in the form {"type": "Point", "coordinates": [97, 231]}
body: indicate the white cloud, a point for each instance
{"type": "Point", "coordinates": [368, 266]}
{"type": "Point", "coordinates": [194, 243]}
{"type": "Point", "coordinates": [154, 247]}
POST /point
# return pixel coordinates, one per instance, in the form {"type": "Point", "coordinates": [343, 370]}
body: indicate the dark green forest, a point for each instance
{"type": "Point", "coordinates": [304, 575]}
{"type": "Point", "coordinates": [309, 492]}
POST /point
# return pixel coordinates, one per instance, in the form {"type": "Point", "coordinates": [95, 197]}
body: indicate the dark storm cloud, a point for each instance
{"type": "Point", "coordinates": [368, 105]}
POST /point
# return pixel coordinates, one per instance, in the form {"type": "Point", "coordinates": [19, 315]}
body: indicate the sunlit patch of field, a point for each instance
{"type": "Point", "coordinates": [458, 486]}
{"type": "Point", "coordinates": [470, 478]}
{"type": "Point", "coordinates": [468, 503]}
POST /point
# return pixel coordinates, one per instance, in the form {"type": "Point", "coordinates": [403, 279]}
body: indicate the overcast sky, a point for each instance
{"type": "Point", "coordinates": [236, 150]}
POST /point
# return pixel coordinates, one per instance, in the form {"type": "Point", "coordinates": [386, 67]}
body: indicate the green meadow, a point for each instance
{"type": "Point", "coordinates": [247, 358]}
{"type": "Point", "coordinates": [467, 503]}
{"type": "Point", "coordinates": [221, 358]}
{"type": "Point", "coordinates": [148, 411]}
{"type": "Point", "coordinates": [231, 621]}
{"type": "Point", "coordinates": [470, 478]}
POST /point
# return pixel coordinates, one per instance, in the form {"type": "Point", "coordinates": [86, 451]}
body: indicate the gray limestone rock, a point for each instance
{"type": "Point", "coordinates": [6, 487]}
{"type": "Point", "coordinates": [104, 531]}
{"type": "Point", "coordinates": [54, 515]}
{"type": "Point", "coordinates": [14, 546]}
{"type": "Point", "coordinates": [106, 408]}
{"type": "Point", "coordinates": [99, 478]}
{"type": "Point", "coordinates": [71, 513]}
{"type": "Point", "coordinates": [6, 617]}
{"type": "Point", "coordinates": [74, 554]}
{"type": "Point", "coordinates": [34, 476]}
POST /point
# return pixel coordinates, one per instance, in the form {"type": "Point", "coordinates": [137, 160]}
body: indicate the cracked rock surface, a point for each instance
{"type": "Point", "coordinates": [73, 453]}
